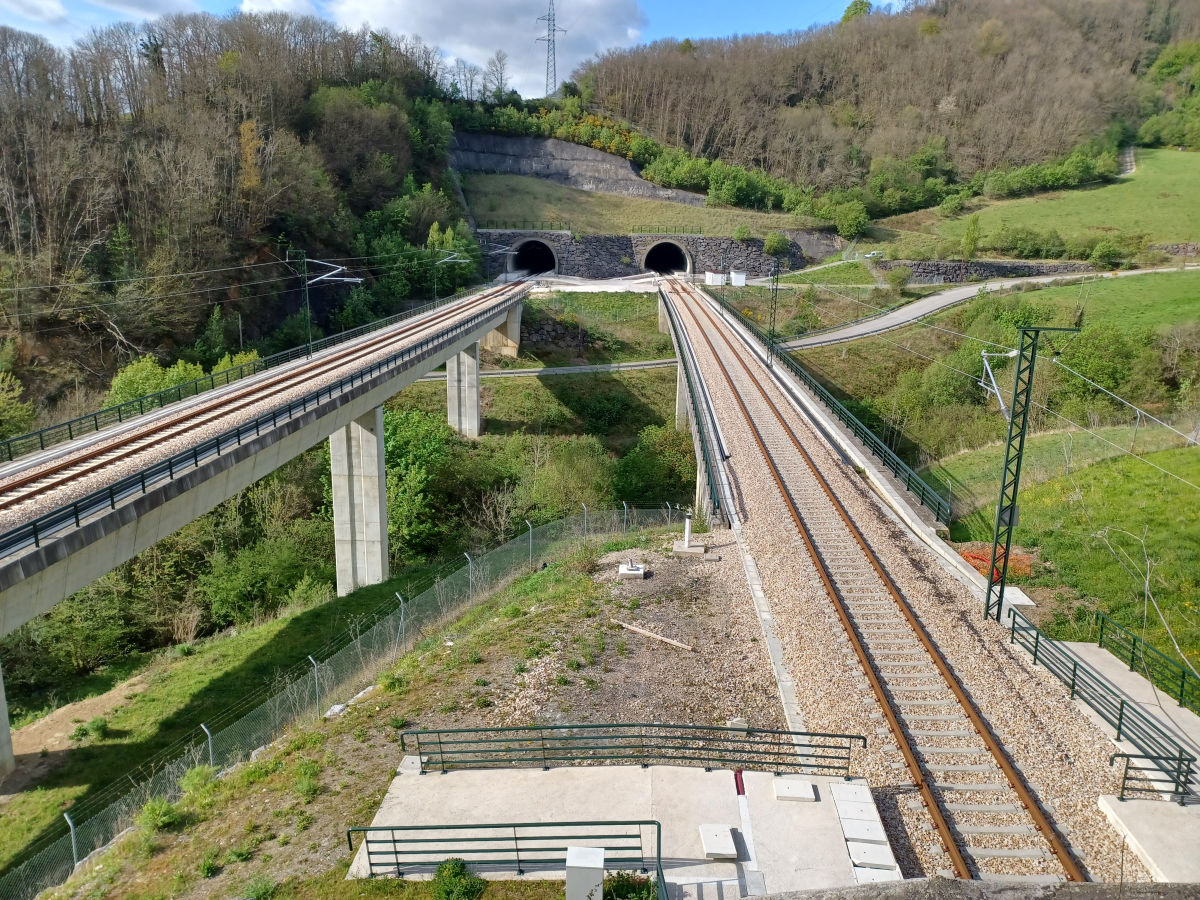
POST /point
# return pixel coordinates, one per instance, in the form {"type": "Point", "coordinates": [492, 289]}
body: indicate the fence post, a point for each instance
{"type": "Point", "coordinates": [208, 734]}
{"type": "Point", "coordinates": [1012, 637]}
{"type": "Point", "coordinates": [1074, 669]}
{"type": "Point", "coordinates": [530, 524]}
{"type": "Point", "coordinates": [1182, 684]}
{"type": "Point", "coordinates": [74, 845]}
{"type": "Point", "coordinates": [1100, 643]}
{"type": "Point", "coordinates": [585, 528]}
{"type": "Point", "coordinates": [317, 682]}
{"type": "Point", "coordinates": [625, 522]}
{"type": "Point", "coordinates": [1037, 637]}
{"type": "Point", "coordinates": [1120, 718]}
{"type": "Point", "coordinates": [1133, 652]}
{"type": "Point", "coordinates": [471, 579]}
{"type": "Point", "coordinates": [399, 629]}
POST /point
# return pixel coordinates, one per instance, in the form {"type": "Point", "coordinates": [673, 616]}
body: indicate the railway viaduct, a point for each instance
{"type": "Point", "coordinates": [73, 512]}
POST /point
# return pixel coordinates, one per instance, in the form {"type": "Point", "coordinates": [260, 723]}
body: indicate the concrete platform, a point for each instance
{"type": "Point", "coordinates": [781, 845]}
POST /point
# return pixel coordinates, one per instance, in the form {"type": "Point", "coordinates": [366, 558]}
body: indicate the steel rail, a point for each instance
{"type": "Point", "coordinates": [1041, 822]}
{"type": "Point", "coordinates": [248, 394]}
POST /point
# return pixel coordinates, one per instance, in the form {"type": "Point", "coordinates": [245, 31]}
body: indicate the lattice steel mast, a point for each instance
{"type": "Point", "coordinates": [551, 31]}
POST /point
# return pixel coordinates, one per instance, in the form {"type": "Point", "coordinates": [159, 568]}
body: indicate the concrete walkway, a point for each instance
{"type": "Point", "coordinates": [563, 370]}
{"type": "Point", "coordinates": [781, 845]}
{"type": "Point", "coordinates": [933, 303]}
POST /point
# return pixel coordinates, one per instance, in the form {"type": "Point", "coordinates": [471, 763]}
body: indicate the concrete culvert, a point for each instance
{"type": "Point", "coordinates": [666, 258]}
{"type": "Point", "coordinates": [534, 257]}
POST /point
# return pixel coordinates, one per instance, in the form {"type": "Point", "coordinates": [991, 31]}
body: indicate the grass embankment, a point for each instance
{"type": "Point", "coordinates": [544, 643]}
{"type": "Point", "coordinates": [1122, 499]}
{"type": "Point", "coordinates": [1157, 201]}
{"type": "Point", "coordinates": [518, 198]}
{"type": "Point", "coordinates": [613, 406]}
{"type": "Point", "coordinates": [847, 273]}
{"type": "Point", "coordinates": [175, 694]}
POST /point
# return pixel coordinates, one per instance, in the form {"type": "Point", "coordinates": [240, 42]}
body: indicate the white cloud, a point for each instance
{"type": "Point", "coordinates": [473, 30]}
{"type": "Point", "coordinates": [299, 7]}
{"type": "Point", "coordinates": [36, 10]}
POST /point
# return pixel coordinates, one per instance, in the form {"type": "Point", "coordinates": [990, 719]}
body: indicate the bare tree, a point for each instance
{"type": "Point", "coordinates": [495, 79]}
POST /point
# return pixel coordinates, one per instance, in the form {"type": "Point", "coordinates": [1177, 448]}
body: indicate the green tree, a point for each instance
{"type": "Point", "coordinates": [660, 466]}
{"type": "Point", "coordinates": [855, 9]}
{"type": "Point", "coordinates": [850, 218]}
{"type": "Point", "coordinates": [898, 278]}
{"type": "Point", "coordinates": [970, 237]}
{"type": "Point", "coordinates": [15, 416]}
{"type": "Point", "coordinates": [776, 244]}
{"type": "Point", "coordinates": [146, 375]}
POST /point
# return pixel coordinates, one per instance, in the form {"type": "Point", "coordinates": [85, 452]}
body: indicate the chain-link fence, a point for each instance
{"type": "Point", "coordinates": [328, 681]}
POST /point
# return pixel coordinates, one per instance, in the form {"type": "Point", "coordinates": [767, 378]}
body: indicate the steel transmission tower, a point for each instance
{"type": "Point", "coordinates": [551, 31]}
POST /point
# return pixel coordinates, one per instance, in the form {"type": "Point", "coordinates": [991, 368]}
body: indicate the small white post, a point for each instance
{"type": "Point", "coordinates": [74, 845]}
{"type": "Point", "coordinates": [585, 873]}
{"type": "Point", "coordinates": [317, 682]}
{"type": "Point", "coordinates": [625, 524]}
{"type": "Point", "coordinates": [208, 734]}
{"type": "Point", "coordinates": [687, 530]}
{"type": "Point", "coordinates": [399, 631]}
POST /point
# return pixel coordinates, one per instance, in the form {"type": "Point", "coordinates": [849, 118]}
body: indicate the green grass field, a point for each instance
{"type": "Point", "coordinates": [622, 327]}
{"type": "Point", "coordinates": [1067, 517]}
{"type": "Point", "coordinates": [521, 198]}
{"type": "Point", "coordinates": [1157, 301]}
{"type": "Point", "coordinates": [1159, 200]}
{"type": "Point", "coordinates": [846, 273]}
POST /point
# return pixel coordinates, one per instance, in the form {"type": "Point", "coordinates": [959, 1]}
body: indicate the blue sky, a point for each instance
{"type": "Point", "coordinates": [466, 29]}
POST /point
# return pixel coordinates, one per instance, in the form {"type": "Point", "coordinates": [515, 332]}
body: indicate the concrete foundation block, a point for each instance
{"type": "Point", "coordinates": [871, 856]}
{"type": "Point", "coordinates": [585, 873]}
{"type": "Point", "coordinates": [631, 571]}
{"type": "Point", "coordinates": [794, 789]}
{"type": "Point", "coordinates": [718, 842]}
{"type": "Point", "coordinates": [679, 548]}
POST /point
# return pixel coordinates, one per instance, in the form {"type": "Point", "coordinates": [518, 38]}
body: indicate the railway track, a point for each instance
{"type": "Point", "coordinates": [988, 821]}
{"type": "Point", "coordinates": [35, 485]}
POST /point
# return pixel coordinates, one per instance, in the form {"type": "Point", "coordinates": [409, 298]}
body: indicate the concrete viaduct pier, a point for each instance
{"type": "Point", "coordinates": [74, 512]}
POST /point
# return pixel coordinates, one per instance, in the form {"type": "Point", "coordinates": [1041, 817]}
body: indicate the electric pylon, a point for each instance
{"type": "Point", "coordinates": [551, 31]}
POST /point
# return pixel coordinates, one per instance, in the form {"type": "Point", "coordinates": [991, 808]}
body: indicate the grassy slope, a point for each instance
{"type": "Point", "coordinates": [622, 327]}
{"type": "Point", "coordinates": [1062, 516]}
{"type": "Point", "coordinates": [1159, 200]}
{"type": "Point", "coordinates": [521, 198]}
{"type": "Point", "coordinates": [846, 273]}
{"type": "Point", "coordinates": [182, 693]}
{"type": "Point", "coordinates": [1156, 301]}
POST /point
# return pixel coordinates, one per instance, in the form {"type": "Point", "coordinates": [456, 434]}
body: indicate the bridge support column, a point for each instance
{"type": "Point", "coordinates": [682, 419]}
{"type": "Point", "coordinates": [8, 761]}
{"type": "Point", "coordinates": [359, 502]}
{"type": "Point", "coordinates": [506, 340]}
{"type": "Point", "coordinates": [462, 390]}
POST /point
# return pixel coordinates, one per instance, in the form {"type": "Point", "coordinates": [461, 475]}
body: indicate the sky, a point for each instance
{"type": "Point", "coordinates": [466, 29]}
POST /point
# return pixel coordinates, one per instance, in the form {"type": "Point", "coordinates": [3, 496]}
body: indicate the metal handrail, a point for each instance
{"type": "Point", "coordinates": [523, 225]}
{"type": "Point", "coordinates": [1175, 778]}
{"type": "Point", "coordinates": [633, 743]}
{"type": "Point", "coordinates": [910, 479]}
{"type": "Point", "coordinates": [74, 514]}
{"type": "Point", "coordinates": [508, 848]}
{"type": "Point", "coordinates": [1092, 688]}
{"type": "Point", "coordinates": [678, 337]}
{"type": "Point", "coordinates": [52, 435]}
{"type": "Point", "coordinates": [1181, 683]}
{"type": "Point", "coordinates": [666, 229]}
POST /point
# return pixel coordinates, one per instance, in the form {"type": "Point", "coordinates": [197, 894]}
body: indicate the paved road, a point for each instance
{"type": "Point", "coordinates": [929, 305]}
{"type": "Point", "coordinates": [562, 370]}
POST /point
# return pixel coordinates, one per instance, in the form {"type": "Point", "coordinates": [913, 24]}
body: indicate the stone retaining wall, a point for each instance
{"type": "Point", "coordinates": [983, 269]}
{"type": "Point", "coordinates": [1178, 249]}
{"type": "Point", "coordinates": [605, 255]}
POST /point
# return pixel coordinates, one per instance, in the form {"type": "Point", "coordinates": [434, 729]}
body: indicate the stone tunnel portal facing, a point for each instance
{"type": "Point", "coordinates": [667, 257]}
{"type": "Point", "coordinates": [534, 257]}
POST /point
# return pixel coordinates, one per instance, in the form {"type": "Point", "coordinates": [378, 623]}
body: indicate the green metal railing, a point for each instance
{"type": "Point", "coordinates": [1090, 686]}
{"type": "Point", "coordinates": [678, 337]}
{"type": "Point", "coordinates": [666, 229]}
{"type": "Point", "coordinates": [910, 479]}
{"type": "Point", "coordinates": [633, 744]}
{"type": "Point", "coordinates": [523, 225]}
{"type": "Point", "coordinates": [123, 412]}
{"type": "Point", "coordinates": [1181, 683]}
{"type": "Point", "coordinates": [1163, 775]}
{"type": "Point", "coordinates": [520, 847]}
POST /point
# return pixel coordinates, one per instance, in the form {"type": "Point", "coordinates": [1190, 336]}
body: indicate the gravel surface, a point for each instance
{"type": "Point", "coordinates": [1063, 756]}
{"type": "Point", "coordinates": [164, 438]}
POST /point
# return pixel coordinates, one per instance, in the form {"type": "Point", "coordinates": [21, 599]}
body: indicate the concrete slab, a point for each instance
{"type": "Point", "coordinates": [870, 856]}
{"type": "Point", "coordinates": [794, 789]}
{"type": "Point", "coordinates": [1165, 836]}
{"type": "Point", "coordinates": [795, 846]}
{"type": "Point", "coordinates": [863, 831]}
{"type": "Point", "coordinates": [717, 841]}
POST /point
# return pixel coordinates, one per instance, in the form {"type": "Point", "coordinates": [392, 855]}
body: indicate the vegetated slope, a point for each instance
{"type": "Point", "coordinates": [1004, 83]}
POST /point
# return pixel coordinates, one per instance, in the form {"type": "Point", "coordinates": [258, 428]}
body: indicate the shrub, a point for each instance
{"type": "Point", "coordinates": [240, 853]}
{"type": "Point", "coordinates": [454, 881]}
{"type": "Point", "coordinates": [899, 277]}
{"type": "Point", "coordinates": [660, 466]}
{"type": "Point", "coordinates": [260, 888]}
{"type": "Point", "coordinates": [157, 814]}
{"type": "Point", "coordinates": [208, 865]}
{"type": "Point", "coordinates": [198, 779]}
{"type": "Point", "coordinates": [15, 417]}
{"type": "Point", "coordinates": [307, 786]}
{"type": "Point", "coordinates": [741, 233]}
{"type": "Point", "coordinates": [776, 244]}
{"type": "Point", "coordinates": [629, 886]}
{"type": "Point", "coordinates": [146, 376]}
{"type": "Point", "coordinates": [1106, 255]}
{"type": "Point", "coordinates": [850, 218]}
{"type": "Point", "coordinates": [98, 727]}
{"type": "Point", "coordinates": [511, 611]}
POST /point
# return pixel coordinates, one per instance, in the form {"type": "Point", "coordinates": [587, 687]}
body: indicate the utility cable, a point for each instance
{"type": "Point", "coordinates": [74, 284]}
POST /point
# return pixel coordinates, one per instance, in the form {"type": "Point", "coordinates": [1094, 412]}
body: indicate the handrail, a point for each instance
{"type": "Point", "coordinates": [73, 515]}
{"type": "Point", "coordinates": [666, 229]}
{"type": "Point", "coordinates": [52, 435]}
{"type": "Point", "coordinates": [506, 848]}
{"type": "Point", "coordinates": [910, 479]}
{"type": "Point", "coordinates": [635, 743]}
{"type": "Point", "coordinates": [678, 337]}
{"type": "Point", "coordinates": [1092, 688]}
{"type": "Point", "coordinates": [522, 225]}
{"type": "Point", "coordinates": [1181, 683]}
{"type": "Point", "coordinates": [1176, 775]}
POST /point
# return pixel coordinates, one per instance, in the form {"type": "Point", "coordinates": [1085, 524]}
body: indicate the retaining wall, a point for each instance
{"type": "Point", "coordinates": [983, 269]}
{"type": "Point", "coordinates": [605, 255]}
